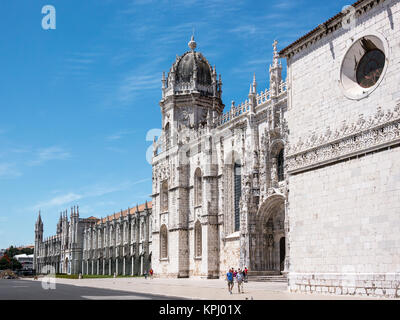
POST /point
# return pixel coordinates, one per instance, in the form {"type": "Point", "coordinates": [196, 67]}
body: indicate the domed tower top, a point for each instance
{"type": "Point", "coordinates": [192, 73]}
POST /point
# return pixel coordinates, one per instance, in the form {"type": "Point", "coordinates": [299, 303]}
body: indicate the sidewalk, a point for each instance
{"type": "Point", "coordinates": [201, 289]}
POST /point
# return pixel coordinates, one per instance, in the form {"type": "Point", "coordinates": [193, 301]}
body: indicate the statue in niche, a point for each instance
{"type": "Point", "coordinates": [184, 119]}
{"type": "Point", "coordinates": [270, 241]}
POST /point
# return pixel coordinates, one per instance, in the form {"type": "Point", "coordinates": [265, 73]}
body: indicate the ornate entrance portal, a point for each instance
{"type": "Point", "coordinates": [268, 242]}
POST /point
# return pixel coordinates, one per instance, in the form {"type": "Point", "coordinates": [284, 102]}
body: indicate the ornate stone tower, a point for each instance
{"type": "Point", "coordinates": [190, 105]}
{"type": "Point", "coordinates": [38, 241]}
{"type": "Point", "coordinates": [190, 92]}
{"type": "Point", "coordinates": [75, 244]}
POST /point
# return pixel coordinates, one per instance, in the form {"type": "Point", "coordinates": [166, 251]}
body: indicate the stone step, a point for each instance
{"type": "Point", "coordinates": [264, 273]}
{"type": "Point", "coordinates": [276, 278]}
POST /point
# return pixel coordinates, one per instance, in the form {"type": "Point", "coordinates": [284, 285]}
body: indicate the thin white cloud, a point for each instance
{"type": "Point", "coordinates": [119, 135]}
{"type": "Point", "coordinates": [245, 29]}
{"type": "Point", "coordinates": [58, 201]}
{"type": "Point", "coordinates": [136, 83]}
{"type": "Point", "coordinates": [9, 170]}
{"type": "Point", "coordinates": [48, 154]}
{"type": "Point", "coordinates": [89, 192]}
{"type": "Point", "coordinates": [285, 4]}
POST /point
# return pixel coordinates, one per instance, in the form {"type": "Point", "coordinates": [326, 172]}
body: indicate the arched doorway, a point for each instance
{"type": "Point", "coordinates": [268, 241]}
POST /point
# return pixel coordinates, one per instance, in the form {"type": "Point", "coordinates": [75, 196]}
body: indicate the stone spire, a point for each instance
{"type": "Point", "coordinates": [276, 55]}
{"type": "Point", "coordinates": [275, 72]}
{"type": "Point", "coordinates": [39, 219]}
{"type": "Point", "coordinates": [254, 83]}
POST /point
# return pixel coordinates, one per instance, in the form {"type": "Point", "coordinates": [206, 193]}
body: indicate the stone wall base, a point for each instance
{"type": "Point", "coordinates": [360, 284]}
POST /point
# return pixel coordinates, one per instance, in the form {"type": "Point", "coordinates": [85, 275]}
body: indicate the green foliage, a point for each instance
{"type": "Point", "coordinates": [12, 251]}
{"type": "Point", "coordinates": [13, 264]}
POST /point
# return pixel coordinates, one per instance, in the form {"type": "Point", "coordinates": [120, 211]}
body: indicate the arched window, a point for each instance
{"type": "Point", "coordinates": [164, 196]}
{"type": "Point", "coordinates": [198, 187]}
{"type": "Point", "coordinates": [142, 226]}
{"type": "Point", "coordinates": [197, 239]}
{"type": "Point", "coordinates": [111, 236]}
{"type": "Point", "coordinates": [99, 239]}
{"type": "Point", "coordinates": [163, 242]}
{"type": "Point", "coordinates": [281, 166]}
{"type": "Point", "coordinates": [238, 193]}
{"type": "Point", "coordinates": [167, 132]}
{"type": "Point", "coordinates": [118, 235]}
{"type": "Point", "coordinates": [133, 234]}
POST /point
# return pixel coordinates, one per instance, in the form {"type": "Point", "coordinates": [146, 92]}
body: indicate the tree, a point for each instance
{"type": "Point", "coordinates": [9, 263]}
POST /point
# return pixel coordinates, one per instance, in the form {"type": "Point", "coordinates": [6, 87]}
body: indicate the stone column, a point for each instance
{"type": "Point", "coordinates": [286, 226]}
{"type": "Point", "coordinates": [124, 268]}
{"type": "Point", "coordinates": [109, 267]}
{"type": "Point", "coordinates": [92, 262]}
{"type": "Point", "coordinates": [98, 266]}
{"type": "Point", "coordinates": [83, 268]}
{"type": "Point", "coordinates": [104, 267]}
{"type": "Point", "coordinates": [87, 266]}
{"type": "Point", "coordinates": [276, 254]}
{"type": "Point", "coordinates": [132, 264]}
{"type": "Point", "coordinates": [116, 266]}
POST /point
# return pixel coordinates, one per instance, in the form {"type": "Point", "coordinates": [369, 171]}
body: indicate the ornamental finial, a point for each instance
{"type": "Point", "coordinates": [192, 44]}
{"type": "Point", "coordinates": [274, 45]}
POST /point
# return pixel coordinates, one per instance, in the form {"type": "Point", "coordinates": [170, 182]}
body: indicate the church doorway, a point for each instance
{"type": "Point", "coordinates": [268, 241]}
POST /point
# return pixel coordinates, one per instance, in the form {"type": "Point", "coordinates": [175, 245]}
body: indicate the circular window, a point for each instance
{"type": "Point", "coordinates": [370, 68]}
{"type": "Point", "coordinates": [363, 66]}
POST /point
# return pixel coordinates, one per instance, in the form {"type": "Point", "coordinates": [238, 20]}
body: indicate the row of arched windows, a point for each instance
{"type": "Point", "coordinates": [197, 241]}
{"type": "Point", "coordinates": [198, 191]}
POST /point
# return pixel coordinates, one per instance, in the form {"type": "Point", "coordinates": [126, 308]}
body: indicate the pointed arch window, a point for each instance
{"type": "Point", "coordinates": [167, 132]}
{"type": "Point", "coordinates": [163, 242]}
{"type": "Point", "coordinates": [164, 196]}
{"type": "Point", "coordinates": [197, 240]}
{"type": "Point", "coordinates": [281, 165]}
{"type": "Point", "coordinates": [198, 187]}
{"type": "Point", "coordinates": [238, 193]}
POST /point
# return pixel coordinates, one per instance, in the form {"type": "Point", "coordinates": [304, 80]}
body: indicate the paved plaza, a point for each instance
{"type": "Point", "coordinates": [140, 288]}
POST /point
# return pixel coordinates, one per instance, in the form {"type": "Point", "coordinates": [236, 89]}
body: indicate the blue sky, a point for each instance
{"type": "Point", "coordinates": [77, 102]}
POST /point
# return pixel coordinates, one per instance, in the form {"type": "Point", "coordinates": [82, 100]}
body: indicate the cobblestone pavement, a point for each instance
{"type": "Point", "coordinates": [200, 289]}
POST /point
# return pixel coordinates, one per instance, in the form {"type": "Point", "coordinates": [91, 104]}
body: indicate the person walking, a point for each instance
{"type": "Point", "coordinates": [245, 274]}
{"type": "Point", "coordinates": [151, 273]}
{"type": "Point", "coordinates": [229, 279]}
{"type": "Point", "coordinates": [239, 280]}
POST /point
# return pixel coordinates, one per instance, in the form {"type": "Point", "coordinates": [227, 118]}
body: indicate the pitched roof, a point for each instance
{"type": "Point", "coordinates": [335, 19]}
{"type": "Point", "coordinates": [124, 213]}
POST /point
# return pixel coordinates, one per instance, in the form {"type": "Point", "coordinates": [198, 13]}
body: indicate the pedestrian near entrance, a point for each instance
{"type": "Point", "coordinates": [245, 274]}
{"type": "Point", "coordinates": [229, 279]}
{"type": "Point", "coordinates": [239, 280]}
{"type": "Point", "coordinates": [151, 273]}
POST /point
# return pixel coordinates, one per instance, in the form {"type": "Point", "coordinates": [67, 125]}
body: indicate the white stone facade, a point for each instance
{"type": "Point", "coordinates": [302, 178]}
{"type": "Point", "coordinates": [223, 173]}
{"type": "Point", "coordinates": [119, 244]}
{"type": "Point", "coordinates": [343, 161]}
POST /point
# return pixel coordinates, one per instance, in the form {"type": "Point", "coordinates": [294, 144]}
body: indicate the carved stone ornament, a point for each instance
{"type": "Point", "coordinates": [380, 130]}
